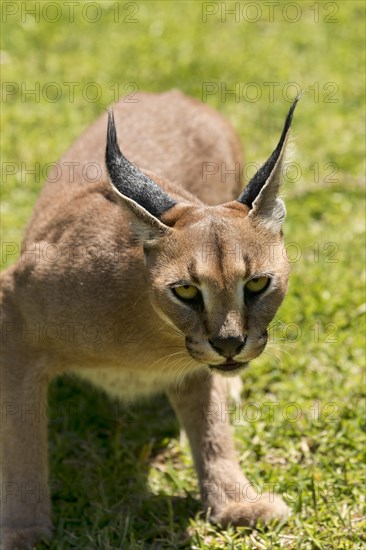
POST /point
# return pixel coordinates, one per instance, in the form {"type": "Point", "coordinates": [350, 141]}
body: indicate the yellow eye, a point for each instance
{"type": "Point", "coordinates": [186, 292]}
{"type": "Point", "coordinates": [257, 284]}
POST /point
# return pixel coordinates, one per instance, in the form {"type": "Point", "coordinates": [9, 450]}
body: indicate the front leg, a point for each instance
{"type": "Point", "coordinates": [224, 489]}
{"type": "Point", "coordinates": [25, 507]}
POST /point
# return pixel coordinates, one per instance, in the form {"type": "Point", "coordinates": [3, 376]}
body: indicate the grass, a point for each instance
{"type": "Point", "coordinates": [120, 476]}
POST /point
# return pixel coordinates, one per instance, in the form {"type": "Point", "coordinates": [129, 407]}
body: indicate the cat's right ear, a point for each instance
{"type": "Point", "coordinates": [140, 194]}
{"type": "Point", "coordinates": [261, 193]}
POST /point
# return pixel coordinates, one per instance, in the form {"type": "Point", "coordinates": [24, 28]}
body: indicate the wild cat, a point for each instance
{"type": "Point", "coordinates": [144, 245]}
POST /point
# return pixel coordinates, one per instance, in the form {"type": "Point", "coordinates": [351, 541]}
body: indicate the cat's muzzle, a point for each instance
{"type": "Point", "coordinates": [230, 365]}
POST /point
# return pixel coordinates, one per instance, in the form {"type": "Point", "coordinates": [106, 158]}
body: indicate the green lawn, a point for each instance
{"type": "Point", "coordinates": [120, 476]}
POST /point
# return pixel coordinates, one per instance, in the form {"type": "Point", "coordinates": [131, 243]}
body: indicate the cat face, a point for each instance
{"type": "Point", "coordinates": [219, 279]}
{"type": "Point", "coordinates": [216, 273]}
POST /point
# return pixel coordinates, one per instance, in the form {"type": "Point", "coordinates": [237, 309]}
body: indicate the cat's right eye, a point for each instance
{"type": "Point", "coordinates": [188, 293]}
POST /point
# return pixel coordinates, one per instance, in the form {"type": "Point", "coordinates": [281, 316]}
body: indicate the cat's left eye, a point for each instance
{"type": "Point", "coordinates": [257, 284]}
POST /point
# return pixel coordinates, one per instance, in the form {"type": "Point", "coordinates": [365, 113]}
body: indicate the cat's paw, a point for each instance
{"type": "Point", "coordinates": [13, 538]}
{"type": "Point", "coordinates": [268, 508]}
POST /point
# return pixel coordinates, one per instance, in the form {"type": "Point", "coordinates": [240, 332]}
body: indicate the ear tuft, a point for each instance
{"type": "Point", "coordinates": [260, 195]}
{"type": "Point", "coordinates": [129, 181]}
{"type": "Point", "coordinates": [255, 185]}
{"type": "Point", "coordinates": [142, 196]}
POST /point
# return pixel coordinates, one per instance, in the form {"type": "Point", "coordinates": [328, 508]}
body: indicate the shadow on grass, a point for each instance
{"type": "Point", "coordinates": [101, 452]}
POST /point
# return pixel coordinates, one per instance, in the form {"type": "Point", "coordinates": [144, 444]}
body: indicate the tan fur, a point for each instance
{"type": "Point", "coordinates": [92, 258]}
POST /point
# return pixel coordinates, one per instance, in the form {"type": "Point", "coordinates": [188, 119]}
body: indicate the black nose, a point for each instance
{"type": "Point", "coordinates": [228, 347]}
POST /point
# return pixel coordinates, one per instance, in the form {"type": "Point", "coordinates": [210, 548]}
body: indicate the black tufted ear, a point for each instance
{"type": "Point", "coordinates": [261, 192]}
{"type": "Point", "coordinates": [145, 197]}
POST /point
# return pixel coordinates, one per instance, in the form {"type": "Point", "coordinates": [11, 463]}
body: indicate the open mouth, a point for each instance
{"type": "Point", "coordinates": [229, 365]}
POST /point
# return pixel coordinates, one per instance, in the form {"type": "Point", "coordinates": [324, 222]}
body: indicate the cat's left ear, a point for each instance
{"type": "Point", "coordinates": [260, 195]}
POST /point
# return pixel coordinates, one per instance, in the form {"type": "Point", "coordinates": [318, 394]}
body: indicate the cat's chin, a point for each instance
{"type": "Point", "coordinates": [229, 368]}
